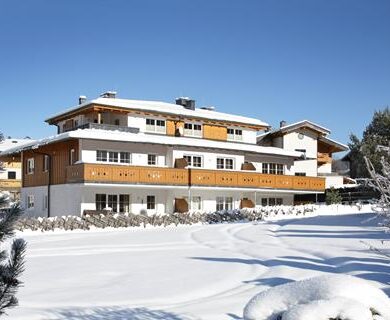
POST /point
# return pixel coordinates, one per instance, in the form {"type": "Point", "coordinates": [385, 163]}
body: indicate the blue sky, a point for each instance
{"type": "Point", "coordinates": [326, 61]}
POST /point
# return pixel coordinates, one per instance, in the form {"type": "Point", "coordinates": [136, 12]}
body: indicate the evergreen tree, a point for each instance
{"type": "Point", "coordinates": [376, 133]}
{"type": "Point", "coordinates": [333, 196]}
{"type": "Point", "coordinates": [12, 263]}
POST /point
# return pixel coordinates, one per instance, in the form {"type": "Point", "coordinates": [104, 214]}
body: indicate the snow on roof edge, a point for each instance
{"type": "Point", "coordinates": [98, 134]}
{"type": "Point", "coordinates": [164, 107]}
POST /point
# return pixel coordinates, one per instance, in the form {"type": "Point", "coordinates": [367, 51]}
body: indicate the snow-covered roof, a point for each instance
{"type": "Point", "coordinates": [163, 108]}
{"type": "Point", "coordinates": [98, 134]}
{"type": "Point", "coordinates": [294, 126]}
{"type": "Point", "coordinates": [11, 143]}
{"type": "Point", "coordinates": [339, 146]}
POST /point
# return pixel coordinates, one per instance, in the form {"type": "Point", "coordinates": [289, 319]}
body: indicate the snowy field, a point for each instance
{"type": "Point", "coordinates": [189, 272]}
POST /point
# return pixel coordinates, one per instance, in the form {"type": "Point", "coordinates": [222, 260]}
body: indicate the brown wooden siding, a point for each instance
{"type": "Point", "coordinates": [214, 132]}
{"type": "Point", "coordinates": [60, 154]}
{"type": "Point", "coordinates": [184, 177]}
{"type": "Point", "coordinates": [172, 125]}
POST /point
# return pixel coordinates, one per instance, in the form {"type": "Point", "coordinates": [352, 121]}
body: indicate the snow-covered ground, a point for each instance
{"type": "Point", "coordinates": [189, 272]}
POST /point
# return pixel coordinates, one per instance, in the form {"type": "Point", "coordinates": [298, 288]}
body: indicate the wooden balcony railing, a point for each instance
{"type": "Point", "coordinates": [189, 177]}
{"type": "Point", "coordinates": [10, 184]}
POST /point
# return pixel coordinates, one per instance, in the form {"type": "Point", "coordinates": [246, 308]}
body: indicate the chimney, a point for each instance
{"type": "Point", "coordinates": [82, 99]}
{"type": "Point", "coordinates": [282, 123]}
{"type": "Point", "coordinates": [108, 94]}
{"type": "Point", "coordinates": [186, 103]}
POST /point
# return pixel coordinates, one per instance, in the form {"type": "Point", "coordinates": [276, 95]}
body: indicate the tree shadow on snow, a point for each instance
{"type": "Point", "coordinates": [367, 268]}
{"type": "Point", "coordinates": [114, 313]}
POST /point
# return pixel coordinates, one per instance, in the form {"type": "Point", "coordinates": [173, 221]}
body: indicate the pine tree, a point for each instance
{"type": "Point", "coordinates": [12, 263]}
{"type": "Point", "coordinates": [376, 133]}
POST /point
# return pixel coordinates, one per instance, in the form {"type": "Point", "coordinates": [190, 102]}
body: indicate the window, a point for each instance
{"type": "Point", "coordinates": [30, 166]}
{"type": "Point", "coordinates": [224, 203]}
{"type": "Point", "coordinates": [100, 201]}
{"type": "Point", "coordinates": [72, 158]}
{"type": "Point", "coordinates": [113, 202]}
{"type": "Point", "coordinates": [101, 155]}
{"type": "Point", "coordinates": [194, 161]}
{"type": "Point", "coordinates": [234, 134]}
{"type": "Point", "coordinates": [225, 163]}
{"type": "Point", "coordinates": [113, 156]}
{"type": "Point", "coordinates": [152, 160]}
{"type": "Point", "coordinates": [12, 175]}
{"type": "Point", "coordinates": [272, 168]}
{"type": "Point", "coordinates": [46, 163]}
{"type": "Point", "coordinates": [151, 202]}
{"type": "Point", "coordinates": [117, 122]}
{"type": "Point", "coordinates": [196, 204]}
{"type": "Point", "coordinates": [30, 201]}
{"type": "Point", "coordinates": [124, 203]}
{"type": "Point", "coordinates": [76, 123]}
{"type": "Point", "coordinates": [300, 174]}
{"type": "Point", "coordinates": [125, 157]}
{"type": "Point", "coordinates": [271, 201]}
{"type": "Point", "coordinates": [192, 129]}
{"type": "Point", "coordinates": [153, 125]}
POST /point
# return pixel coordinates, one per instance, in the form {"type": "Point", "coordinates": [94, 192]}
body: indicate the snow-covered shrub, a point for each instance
{"type": "Point", "coordinates": [117, 220]}
{"type": "Point", "coordinates": [330, 297]}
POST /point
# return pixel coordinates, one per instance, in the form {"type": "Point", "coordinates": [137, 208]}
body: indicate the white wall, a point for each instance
{"type": "Point", "coordinates": [209, 158]}
{"type": "Point", "coordinates": [137, 197]}
{"type": "Point", "coordinates": [139, 152]}
{"type": "Point", "coordinates": [39, 194]}
{"type": "Point", "coordinates": [258, 161]}
{"type": "Point", "coordinates": [291, 141]}
{"type": "Point", "coordinates": [334, 181]}
{"type": "Point", "coordinates": [325, 168]}
{"type": "Point", "coordinates": [249, 136]}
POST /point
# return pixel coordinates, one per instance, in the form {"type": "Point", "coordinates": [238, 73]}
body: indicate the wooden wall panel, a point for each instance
{"type": "Point", "coordinates": [172, 125]}
{"type": "Point", "coordinates": [60, 155]}
{"type": "Point", "coordinates": [214, 132]}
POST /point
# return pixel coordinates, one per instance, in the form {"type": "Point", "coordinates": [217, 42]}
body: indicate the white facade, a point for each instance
{"type": "Point", "coordinates": [73, 199]}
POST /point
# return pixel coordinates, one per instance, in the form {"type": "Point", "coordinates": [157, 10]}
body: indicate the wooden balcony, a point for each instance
{"type": "Point", "coordinates": [102, 173]}
{"type": "Point", "coordinates": [10, 184]}
{"type": "Point", "coordinates": [323, 158]}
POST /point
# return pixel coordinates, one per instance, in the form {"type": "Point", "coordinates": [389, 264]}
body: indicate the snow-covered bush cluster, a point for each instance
{"type": "Point", "coordinates": [136, 220]}
{"type": "Point", "coordinates": [330, 297]}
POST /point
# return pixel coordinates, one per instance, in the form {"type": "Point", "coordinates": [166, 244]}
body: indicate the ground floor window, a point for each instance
{"type": "Point", "coordinates": [30, 201]}
{"type": "Point", "coordinates": [271, 201]}
{"type": "Point", "coordinates": [11, 175]}
{"type": "Point", "coordinates": [151, 202]}
{"type": "Point", "coordinates": [116, 202]}
{"type": "Point", "coordinates": [124, 203]}
{"type": "Point", "coordinates": [196, 203]}
{"type": "Point", "coordinates": [224, 203]}
{"type": "Point", "coordinates": [100, 200]}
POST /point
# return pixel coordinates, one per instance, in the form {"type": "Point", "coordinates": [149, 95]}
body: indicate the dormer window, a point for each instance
{"type": "Point", "coordinates": [234, 134]}
{"type": "Point", "coordinates": [192, 129]}
{"type": "Point", "coordinates": [154, 125]}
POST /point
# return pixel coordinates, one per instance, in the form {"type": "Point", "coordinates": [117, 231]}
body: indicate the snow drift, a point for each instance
{"type": "Point", "coordinates": [340, 297]}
